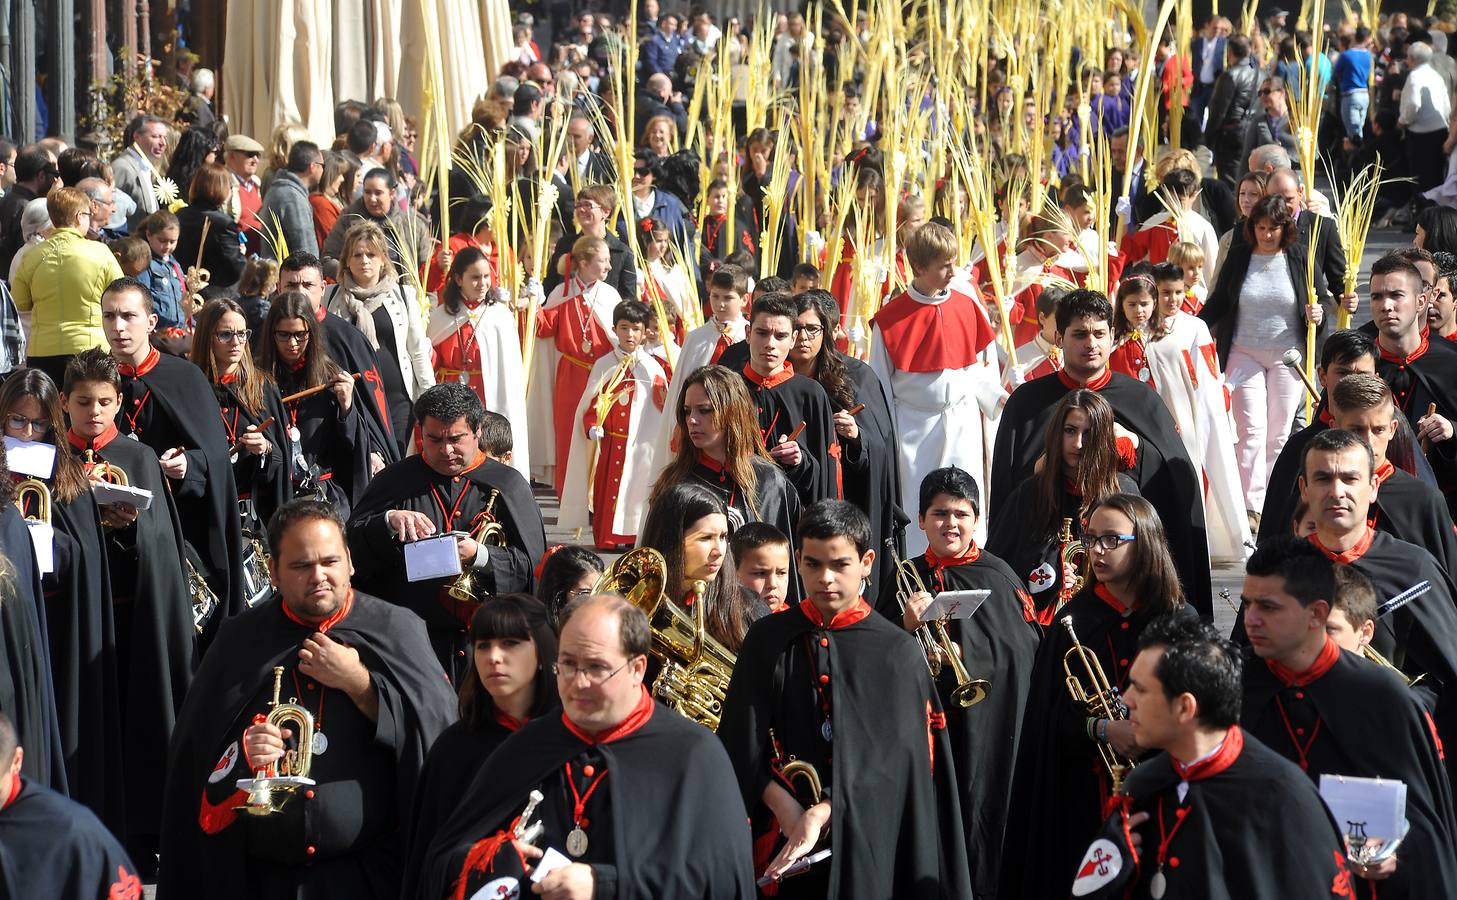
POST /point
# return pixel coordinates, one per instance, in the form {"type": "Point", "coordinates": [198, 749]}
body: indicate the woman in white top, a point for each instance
{"type": "Point", "coordinates": [1257, 310]}
{"type": "Point", "coordinates": [372, 298]}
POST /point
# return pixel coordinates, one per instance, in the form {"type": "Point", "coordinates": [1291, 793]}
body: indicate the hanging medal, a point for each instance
{"type": "Point", "coordinates": [1158, 885]}
{"type": "Point", "coordinates": [577, 837]}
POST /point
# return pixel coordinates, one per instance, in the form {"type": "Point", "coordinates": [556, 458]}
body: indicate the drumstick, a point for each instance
{"type": "Point", "coordinates": [316, 389]}
{"type": "Point", "coordinates": [1293, 360]}
{"type": "Point", "coordinates": [259, 430]}
{"type": "Point", "coordinates": [794, 435]}
{"type": "Point", "coordinates": [856, 409]}
{"type": "Point", "coordinates": [1426, 441]}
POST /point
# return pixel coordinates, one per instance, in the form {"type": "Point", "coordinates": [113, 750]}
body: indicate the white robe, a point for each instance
{"type": "Point", "coordinates": [503, 379]}
{"type": "Point", "coordinates": [942, 418]}
{"type": "Point", "coordinates": [696, 353]}
{"type": "Point", "coordinates": [1185, 368]}
{"type": "Point", "coordinates": [639, 469]}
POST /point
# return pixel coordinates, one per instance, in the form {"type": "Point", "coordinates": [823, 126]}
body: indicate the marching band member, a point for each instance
{"type": "Point", "coordinates": [362, 670]}
{"type": "Point", "coordinates": [997, 644]}
{"type": "Point", "coordinates": [830, 684]}
{"type": "Point", "coordinates": [449, 487]}
{"type": "Point", "coordinates": [728, 292]}
{"type": "Point", "coordinates": [1061, 780]}
{"type": "Point", "coordinates": [1182, 827]}
{"type": "Point", "coordinates": [167, 404]}
{"type": "Point", "coordinates": [640, 800]}
{"type": "Point", "coordinates": [762, 560]}
{"type": "Point", "coordinates": [565, 573]}
{"type": "Point", "coordinates": [475, 340]}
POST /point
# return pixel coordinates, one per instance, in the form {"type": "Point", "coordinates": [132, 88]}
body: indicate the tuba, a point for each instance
{"type": "Point", "coordinates": [267, 793]}
{"type": "Point", "coordinates": [34, 487]}
{"type": "Point", "coordinates": [1099, 697]}
{"type": "Point", "coordinates": [935, 641]}
{"type": "Point", "coordinates": [464, 588]}
{"type": "Point", "coordinates": [695, 668]}
{"type": "Point", "coordinates": [1072, 556]}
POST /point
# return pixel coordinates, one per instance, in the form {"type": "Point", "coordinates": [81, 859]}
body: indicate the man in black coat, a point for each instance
{"type": "Point", "coordinates": [35, 172]}
{"type": "Point", "coordinates": [1231, 107]}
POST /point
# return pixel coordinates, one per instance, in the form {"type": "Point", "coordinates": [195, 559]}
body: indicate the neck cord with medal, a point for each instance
{"type": "Point", "coordinates": [577, 837]}
{"type": "Point", "coordinates": [1223, 756]}
{"type": "Point", "coordinates": [460, 344]}
{"type": "Point", "coordinates": [321, 742]}
{"type": "Point", "coordinates": [1159, 884]}
{"type": "Point", "coordinates": [584, 309]}
{"type": "Point", "coordinates": [821, 684]}
{"type": "Point", "coordinates": [448, 516]}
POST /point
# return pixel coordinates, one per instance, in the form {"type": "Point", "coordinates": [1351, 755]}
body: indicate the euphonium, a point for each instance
{"type": "Point", "coordinates": [935, 641]}
{"type": "Point", "coordinates": [464, 589]}
{"type": "Point", "coordinates": [34, 487]}
{"type": "Point", "coordinates": [267, 793]}
{"type": "Point", "coordinates": [1073, 557]}
{"type": "Point", "coordinates": [695, 668]}
{"type": "Point", "coordinates": [1100, 698]}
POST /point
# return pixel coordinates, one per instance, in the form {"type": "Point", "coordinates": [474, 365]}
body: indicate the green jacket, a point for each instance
{"type": "Point", "coordinates": [60, 282]}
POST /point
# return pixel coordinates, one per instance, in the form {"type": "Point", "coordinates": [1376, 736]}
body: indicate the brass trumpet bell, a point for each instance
{"type": "Point", "coordinates": [41, 492]}
{"type": "Point", "coordinates": [464, 589]}
{"type": "Point", "coordinates": [267, 794]}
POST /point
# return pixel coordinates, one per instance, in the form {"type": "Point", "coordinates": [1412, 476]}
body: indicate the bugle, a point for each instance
{"type": "Point", "coordinates": [1099, 698]}
{"type": "Point", "coordinates": [34, 487]}
{"type": "Point", "coordinates": [267, 793]}
{"type": "Point", "coordinates": [466, 587]}
{"type": "Point", "coordinates": [935, 641]}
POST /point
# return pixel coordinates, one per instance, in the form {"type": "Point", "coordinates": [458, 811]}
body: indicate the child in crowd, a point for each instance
{"type": "Point", "coordinates": [761, 555]}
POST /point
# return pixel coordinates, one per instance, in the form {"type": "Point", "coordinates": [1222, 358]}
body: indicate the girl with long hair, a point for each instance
{"type": "Point", "coordinates": [689, 525]}
{"type": "Point", "coordinates": [1061, 782]}
{"type": "Point", "coordinates": [1135, 322]}
{"type": "Point", "coordinates": [1080, 466]}
{"type": "Point", "coordinates": [514, 650]}
{"type": "Point", "coordinates": [474, 340]}
{"type": "Point", "coordinates": [248, 398]}
{"type": "Point", "coordinates": [567, 572]}
{"type": "Point", "coordinates": [719, 447]}
{"type": "Point", "coordinates": [328, 451]}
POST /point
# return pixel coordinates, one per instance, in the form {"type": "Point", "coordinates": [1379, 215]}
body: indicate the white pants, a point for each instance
{"type": "Point", "coordinates": [1266, 394]}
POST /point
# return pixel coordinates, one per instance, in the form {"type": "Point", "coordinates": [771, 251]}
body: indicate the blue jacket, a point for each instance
{"type": "Point", "coordinates": [659, 54]}
{"type": "Point", "coordinates": [162, 279]}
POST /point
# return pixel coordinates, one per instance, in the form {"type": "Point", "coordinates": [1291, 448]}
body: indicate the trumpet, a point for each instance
{"type": "Point", "coordinates": [1073, 557]}
{"type": "Point", "coordinates": [935, 642]}
{"type": "Point", "coordinates": [34, 487]}
{"type": "Point", "coordinates": [465, 589]}
{"type": "Point", "coordinates": [1099, 697]}
{"type": "Point", "coordinates": [267, 793]}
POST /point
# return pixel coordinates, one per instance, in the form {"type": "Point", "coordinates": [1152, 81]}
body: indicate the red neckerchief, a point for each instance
{"type": "Point", "coordinates": [769, 381]}
{"type": "Point", "coordinates": [1450, 336]}
{"type": "Point", "coordinates": [634, 721]}
{"type": "Point", "coordinates": [229, 378]}
{"type": "Point", "coordinates": [1113, 602]}
{"type": "Point", "coordinates": [14, 792]}
{"type": "Point", "coordinates": [298, 364]}
{"type": "Point", "coordinates": [324, 626]}
{"type": "Point", "coordinates": [939, 564]}
{"type": "Point", "coordinates": [1223, 758]}
{"type": "Point", "coordinates": [1327, 419]}
{"type": "Point", "coordinates": [1415, 355]}
{"type": "Point", "coordinates": [1096, 384]}
{"type": "Point", "coordinates": [98, 443]}
{"type": "Point", "coordinates": [147, 365]}
{"type": "Point", "coordinates": [1384, 471]}
{"type": "Point", "coordinates": [1351, 555]}
{"type": "Point", "coordinates": [843, 619]}
{"type": "Point", "coordinates": [509, 722]}
{"type": "Point", "coordinates": [1322, 664]}
{"type": "Point", "coordinates": [321, 312]}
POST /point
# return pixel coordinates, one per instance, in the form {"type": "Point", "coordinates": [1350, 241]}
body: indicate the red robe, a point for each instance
{"type": "Point", "coordinates": [581, 340]}
{"type": "Point", "coordinates": [1130, 357]}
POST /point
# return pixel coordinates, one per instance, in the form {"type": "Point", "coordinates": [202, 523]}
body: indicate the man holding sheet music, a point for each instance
{"type": "Point", "coordinates": [414, 530]}
{"type": "Point", "coordinates": [1336, 713]}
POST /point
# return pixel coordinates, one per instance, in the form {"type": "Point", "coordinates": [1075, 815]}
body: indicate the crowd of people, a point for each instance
{"type": "Point", "coordinates": [898, 486]}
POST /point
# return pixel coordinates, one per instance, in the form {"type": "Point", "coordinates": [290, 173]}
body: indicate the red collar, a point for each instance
{"type": "Point", "coordinates": [510, 723]}
{"type": "Point", "coordinates": [1350, 555]}
{"type": "Point", "coordinates": [1415, 355]}
{"type": "Point", "coordinates": [951, 562]}
{"type": "Point", "coordinates": [229, 378]}
{"type": "Point", "coordinates": [1223, 758]}
{"type": "Point", "coordinates": [1097, 384]}
{"type": "Point", "coordinates": [709, 462]}
{"type": "Point", "coordinates": [1384, 471]}
{"type": "Point", "coordinates": [100, 442]}
{"type": "Point", "coordinates": [321, 312]}
{"type": "Point", "coordinates": [324, 626]}
{"type": "Point", "coordinates": [1323, 663]}
{"type": "Point", "coordinates": [843, 619]}
{"type": "Point", "coordinates": [14, 792]}
{"type": "Point", "coordinates": [147, 365]}
{"type": "Point", "coordinates": [1327, 419]}
{"type": "Point", "coordinates": [298, 364]}
{"type": "Point", "coordinates": [634, 721]}
{"type": "Point", "coordinates": [771, 381]}
{"type": "Point", "coordinates": [1450, 336]}
{"type": "Point", "coordinates": [1113, 602]}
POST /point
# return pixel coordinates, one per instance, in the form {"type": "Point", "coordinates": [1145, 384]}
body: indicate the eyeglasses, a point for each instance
{"type": "Point", "coordinates": [1108, 542]}
{"type": "Point", "coordinates": [597, 673]}
{"type": "Point", "coordinates": [227, 337]}
{"type": "Point", "coordinates": [14, 422]}
{"type": "Point", "coordinates": [585, 205]}
{"type": "Point", "coordinates": [1265, 92]}
{"type": "Point", "coordinates": [809, 331]}
{"type": "Point", "coordinates": [642, 173]}
{"type": "Point", "coordinates": [291, 337]}
{"type": "Point", "coordinates": [569, 596]}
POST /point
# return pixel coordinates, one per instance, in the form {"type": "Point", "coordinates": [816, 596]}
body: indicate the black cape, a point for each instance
{"type": "Point", "coordinates": [172, 405]}
{"type": "Point", "coordinates": [1431, 378]}
{"type": "Point", "coordinates": [1060, 782]}
{"type": "Point", "coordinates": [1032, 553]}
{"type": "Point", "coordinates": [780, 410]}
{"type": "Point", "coordinates": [775, 503]}
{"type": "Point", "coordinates": [27, 694]}
{"type": "Point", "coordinates": [264, 481]}
{"type": "Point", "coordinates": [350, 349]}
{"type": "Point", "coordinates": [678, 827]}
{"type": "Point", "coordinates": [1225, 852]}
{"type": "Point", "coordinates": [415, 704]}
{"type": "Point", "coordinates": [379, 557]}
{"type": "Point", "coordinates": [333, 444]}
{"type": "Point", "coordinates": [54, 848]}
{"type": "Point", "coordinates": [997, 644]}
{"type": "Point", "coordinates": [155, 636]}
{"type": "Point", "coordinates": [1384, 734]}
{"type": "Point", "coordinates": [897, 824]}
{"type": "Point", "coordinates": [1165, 474]}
